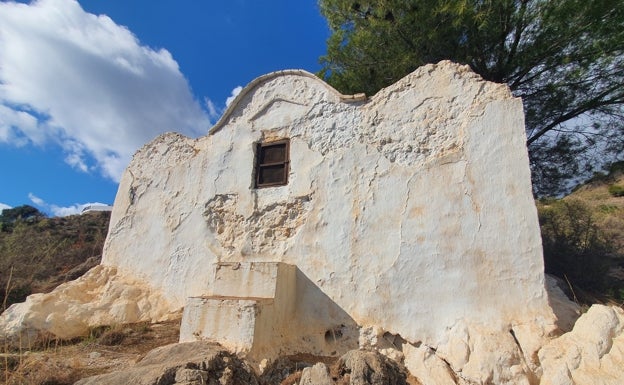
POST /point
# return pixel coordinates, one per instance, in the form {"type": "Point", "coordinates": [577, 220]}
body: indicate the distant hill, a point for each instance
{"type": "Point", "coordinates": [38, 253]}
{"type": "Point", "coordinates": [583, 237]}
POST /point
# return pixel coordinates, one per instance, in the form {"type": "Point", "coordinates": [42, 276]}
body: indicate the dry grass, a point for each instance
{"type": "Point", "coordinates": [606, 216]}
{"type": "Point", "coordinates": [37, 255]}
{"type": "Point", "coordinates": [608, 209]}
{"type": "Point", "coordinates": [105, 350]}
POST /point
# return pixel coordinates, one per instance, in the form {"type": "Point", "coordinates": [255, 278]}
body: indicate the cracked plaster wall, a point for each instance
{"type": "Point", "coordinates": [412, 210]}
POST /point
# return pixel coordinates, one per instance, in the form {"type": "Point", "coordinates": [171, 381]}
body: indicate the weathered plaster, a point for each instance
{"type": "Point", "coordinates": [417, 200]}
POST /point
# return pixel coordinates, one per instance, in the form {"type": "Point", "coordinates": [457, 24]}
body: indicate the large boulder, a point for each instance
{"type": "Point", "coordinates": [591, 354]}
{"type": "Point", "coordinates": [103, 296]}
{"type": "Point", "coordinates": [361, 367]}
{"type": "Point", "coordinates": [191, 363]}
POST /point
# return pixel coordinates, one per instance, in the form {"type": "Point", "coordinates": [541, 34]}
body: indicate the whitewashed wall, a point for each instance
{"type": "Point", "coordinates": [411, 210]}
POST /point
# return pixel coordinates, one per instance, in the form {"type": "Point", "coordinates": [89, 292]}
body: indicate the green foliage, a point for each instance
{"type": "Point", "coordinates": [616, 293]}
{"type": "Point", "coordinates": [9, 217]}
{"type": "Point", "coordinates": [608, 209]}
{"type": "Point", "coordinates": [616, 167]}
{"type": "Point", "coordinates": [17, 293]}
{"type": "Point", "coordinates": [23, 212]}
{"type": "Point", "coordinates": [574, 246]}
{"type": "Point", "coordinates": [5, 227]}
{"type": "Point", "coordinates": [616, 190]}
{"type": "Point", "coordinates": [565, 58]}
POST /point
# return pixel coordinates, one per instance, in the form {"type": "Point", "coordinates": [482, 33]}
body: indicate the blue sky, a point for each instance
{"type": "Point", "coordinates": [84, 84]}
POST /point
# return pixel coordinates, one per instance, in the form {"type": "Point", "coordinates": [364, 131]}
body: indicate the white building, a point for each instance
{"type": "Point", "coordinates": [308, 221]}
{"type": "Point", "coordinates": [410, 210]}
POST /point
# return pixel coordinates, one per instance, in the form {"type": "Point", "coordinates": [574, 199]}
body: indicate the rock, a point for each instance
{"type": "Point", "coordinates": [566, 311]}
{"type": "Point", "coordinates": [489, 359]}
{"type": "Point", "coordinates": [191, 376]}
{"type": "Point", "coordinates": [316, 375]}
{"type": "Point", "coordinates": [474, 354]}
{"type": "Point", "coordinates": [591, 354]}
{"type": "Point", "coordinates": [192, 363]}
{"type": "Point", "coordinates": [103, 296]}
{"type": "Point", "coordinates": [285, 370]}
{"type": "Point", "coordinates": [370, 368]}
{"type": "Point", "coordinates": [424, 364]}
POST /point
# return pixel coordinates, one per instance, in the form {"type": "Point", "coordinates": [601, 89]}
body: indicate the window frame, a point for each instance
{"type": "Point", "coordinates": [260, 147]}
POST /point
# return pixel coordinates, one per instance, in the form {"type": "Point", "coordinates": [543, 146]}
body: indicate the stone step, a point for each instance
{"type": "Point", "coordinates": [250, 279]}
{"type": "Point", "coordinates": [248, 303]}
{"type": "Point", "coordinates": [232, 321]}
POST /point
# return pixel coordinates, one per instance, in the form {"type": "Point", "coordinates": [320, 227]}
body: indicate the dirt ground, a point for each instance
{"type": "Point", "coordinates": [105, 350]}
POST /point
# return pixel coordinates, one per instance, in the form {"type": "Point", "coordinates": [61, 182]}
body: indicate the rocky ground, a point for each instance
{"type": "Point", "coordinates": [143, 354]}
{"type": "Point", "coordinates": [109, 349]}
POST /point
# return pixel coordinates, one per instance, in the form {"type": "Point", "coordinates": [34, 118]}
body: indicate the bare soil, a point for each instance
{"type": "Point", "coordinates": [105, 350]}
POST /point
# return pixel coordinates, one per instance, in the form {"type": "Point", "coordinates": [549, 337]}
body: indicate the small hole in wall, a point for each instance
{"type": "Point", "coordinates": [333, 335]}
{"type": "Point", "coordinates": [396, 340]}
{"type": "Point", "coordinates": [132, 194]}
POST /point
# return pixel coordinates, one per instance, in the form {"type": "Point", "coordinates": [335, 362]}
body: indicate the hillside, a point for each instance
{"type": "Point", "coordinates": [37, 254]}
{"type": "Point", "coordinates": [583, 237]}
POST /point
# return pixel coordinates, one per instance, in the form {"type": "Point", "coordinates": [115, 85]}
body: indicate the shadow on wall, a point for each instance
{"type": "Point", "coordinates": [566, 311]}
{"type": "Point", "coordinates": [320, 322]}
{"type": "Point", "coordinates": [268, 309]}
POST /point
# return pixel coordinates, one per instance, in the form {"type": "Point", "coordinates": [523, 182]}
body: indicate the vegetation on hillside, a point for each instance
{"type": "Point", "coordinates": [39, 253]}
{"type": "Point", "coordinates": [106, 349]}
{"type": "Point", "coordinates": [583, 237]}
{"type": "Point", "coordinates": [565, 58]}
{"type": "Point", "coordinates": [8, 217]}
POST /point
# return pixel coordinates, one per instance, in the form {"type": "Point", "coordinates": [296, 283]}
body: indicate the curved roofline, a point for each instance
{"type": "Point", "coordinates": [271, 75]}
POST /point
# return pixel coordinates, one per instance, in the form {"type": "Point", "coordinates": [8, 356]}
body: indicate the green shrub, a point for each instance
{"type": "Point", "coordinates": [574, 246]}
{"type": "Point", "coordinates": [608, 209]}
{"type": "Point", "coordinates": [616, 190]}
{"type": "Point", "coordinates": [547, 200]}
{"type": "Point", "coordinates": [6, 227]}
{"type": "Point", "coordinates": [17, 293]}
{"type": "Point", "coordinates": [616, 167]}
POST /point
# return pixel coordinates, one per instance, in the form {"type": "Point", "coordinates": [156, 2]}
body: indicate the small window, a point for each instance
{"type": "Point", "coordinates": [272, 163]}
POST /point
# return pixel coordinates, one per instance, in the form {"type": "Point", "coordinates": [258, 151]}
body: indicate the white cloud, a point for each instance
{"type": "Point", "coordinates": [86, 83]}
{"type": "Point", "coordinates": [233, 96]}
{"type": "Point", "coordinates": [29, 127]}
{"type": "Point", "coordinates": [59, 211]}
{"type": "Point", "coordinates": [213, 111]}
{"type": "Point", "coordinates": [36, 200]}
{"type": "Point", "coordinates": [4, 206]}
{"type": "Point", "coordinates": [71, 210]}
